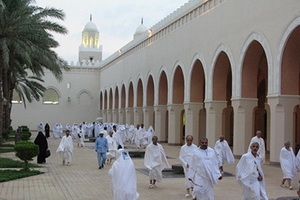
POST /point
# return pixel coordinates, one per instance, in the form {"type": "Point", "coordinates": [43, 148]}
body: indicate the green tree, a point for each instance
{"type": "Point", "coordinates": [26, 151]}
{"type": "Point", "coordinates": [26, 47]}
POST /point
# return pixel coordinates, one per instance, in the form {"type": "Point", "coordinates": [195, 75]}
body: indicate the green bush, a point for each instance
{"type": "Point", "coordinates": [26, 151]}
{"type": "Point", "coordinates": [25, 134]}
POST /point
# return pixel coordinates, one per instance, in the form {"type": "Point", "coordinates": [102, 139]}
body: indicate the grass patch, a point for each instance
{"type": "Point", "coordinates": [7, 175]}
{"type": "Point", "coordinates": [6, 150]}
{"type": "Point", "coordinates": [10, 163]}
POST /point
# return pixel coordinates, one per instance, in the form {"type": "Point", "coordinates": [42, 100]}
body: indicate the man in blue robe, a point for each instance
{"type": "Point", "coordinates": [101, 147]}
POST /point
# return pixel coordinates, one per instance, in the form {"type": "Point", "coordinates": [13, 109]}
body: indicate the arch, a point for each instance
{"type": "Point", "coordinates": [197, 82]}
{"type": "Point", "coordinates": [51, 96]}
{"type": "Point", "coordinates": [163, 89]}
{"type": "Point", "coordinates": [254, 82]}
{"type": "Point", "coordinates": [139, 94]}
{"type": "Point", "coordinates": [178, 86]}
{"type": "Point", "coordinates": [222, 78]}
{"type": "Point", "coordinates": [86, 91]}
{"type": "Point", "coordinates": [222, 54]}
{"type": "Point", "coordinates": [172, 82]}
{"type": "Point", "coordinates": [123, 96]}
{"type": "Point", "coordinates": [150, 91]}
{"type": "Point", "coordinates": [54, 88]}
{"type": "Point", "coordinates": [280, 52]}
{"type": "Point", "coordinates": [110, 98]}
{"type": "Point", "coordinates": [116, 98]}
{"type": "Point", "coordinates": [260, 38]}
{"type": "Point", "coordinates": [105, 99]}
{"type": "Point", "coordinates": [290, 69]}
{"type": "Point", "coordinates": [101, 100]}
{"type": "Point", "coordinates": [130, 95]}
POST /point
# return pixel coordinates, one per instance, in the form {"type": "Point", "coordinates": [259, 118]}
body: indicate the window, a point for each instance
{"type": "Point", "coordinates": [51, 96]}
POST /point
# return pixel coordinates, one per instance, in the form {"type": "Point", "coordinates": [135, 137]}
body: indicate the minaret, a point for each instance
{"type": "Point", "coordinates": [90, 48]}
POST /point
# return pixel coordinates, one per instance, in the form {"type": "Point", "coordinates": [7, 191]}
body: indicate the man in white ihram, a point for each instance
{"type": "Point", "coordinates": [223, 152]}
{"type": "Point", "coordinates": [123, 177]}
{"type": "Point", "coordinates": [204, 171]}
{"type": "Point", "coordinates": [185, 156]}
{"type": "Point", "coordinates": [155, 160]}
{"type": "Point", "coordinates": [65, 148]}
{"type": "Point", "coordinates": [288, 164]}
{"type": "Point", "coordinates": [262, 149]}
{"type": "Point", "coordinates": [250, 176]}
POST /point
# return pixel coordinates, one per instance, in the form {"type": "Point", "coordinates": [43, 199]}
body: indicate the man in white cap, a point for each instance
{"type": "Point", "coordinates": [101, 147]}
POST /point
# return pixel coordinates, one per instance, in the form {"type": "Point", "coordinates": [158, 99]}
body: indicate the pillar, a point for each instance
{"type": "Point", "coordinates": [148, 116]}
{"type": "Point", "coordinates": [122, 116]}
{"type": "Point", "coordinates": [243, 124]}
{"type": "Point", "coordinates": [214, 113]}
{"type": "Point", "coordinates": [109, 115]}
{"type": "Point", "coordinates": [192, 120]}
{"type": "Point", "coordinates": [129, 116]}
{"type": "Point", "coordinates": [160, 122]}
{"type": "Point", "coordinates": [138, 115]}
{"type": "Point", "coordinates": [115, 116]}
{"type": "Point", "coordinates": [282, 123]}
{"type": "Point", "coordinates": [175, 135]}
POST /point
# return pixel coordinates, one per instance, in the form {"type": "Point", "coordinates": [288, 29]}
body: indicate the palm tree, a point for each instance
{"type": "Point", "coordinates": [26, 46]}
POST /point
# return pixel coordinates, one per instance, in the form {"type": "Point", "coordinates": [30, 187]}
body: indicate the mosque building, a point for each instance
{"type": "Point", "coordinates": [211, 67]}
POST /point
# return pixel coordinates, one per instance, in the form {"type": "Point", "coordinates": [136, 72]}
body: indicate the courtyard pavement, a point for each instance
{"type": "Point", "coordinates": [83, 179]}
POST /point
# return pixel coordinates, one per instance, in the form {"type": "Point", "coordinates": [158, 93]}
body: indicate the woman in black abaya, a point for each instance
{"type": "Point", "coordinates": [41, 141]}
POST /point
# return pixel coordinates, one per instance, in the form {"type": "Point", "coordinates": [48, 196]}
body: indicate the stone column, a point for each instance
{"type": "Point", "coordinates": [115, 116]}
{"type": "Point", "coordinates": [104, 115]}
{"type": "Point", "coordinates": [160, 122]}
{"type": "Point", "coordinates": [192, 120]}
{"type": "Point", "coordinates": [243, 124]}
{"type": "Point", "coordinates": [138, 115]}
{"type": "Point", "coordinates": [214, 114]}
{"type": "Point", "coordinates": [122, 116]}
{"type": "Point", "coordinates": [282, 123]}
{"type": "Point", "coordinates": [148, 116]}
{"type": "Point", "coordinates": [109, 115]}
{"type": "Point", "coordinates": [175, 124]}
{"type": "Point", "coordinates": [129, 116]}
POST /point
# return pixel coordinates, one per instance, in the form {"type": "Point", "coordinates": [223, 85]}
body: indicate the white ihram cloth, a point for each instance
{"type": "Point", "coordinates": [55, 130]}
{"type": "Point", "coordinates": [204, 172]}
{"type": "Point", "coordinates": [80, 140]}
{"type": "Point", "coordinates": [298, 160]}
{"type": "Point", "coordinates": [60, 130]}
{"type": "Point", "coordinates": [185, 156]}
{"type": "Point", "coordinates": [123, 177]}
{"type": "Point", "coordinates": [112, 147]}
{"type": "Point", "coordinates": [118, 137]}
{"type": "Point", "coordinates": [40, 128]}
{"type": "Point", "coordinates": [262, 149]}
{"type": "Point", "coordinates": [155, 160]}
{"type": "Point", "coordinates": [223, 152]}
{"type": "Point", "coordinates": [288, 163]}
{"type": "Point", "coordinates": [247, 171]}
{"type": "Point", "coordinates": [65, 148]}
{"type": "Point", "coordinates": [74, 131]}
{"type": "Point", "coordinates": [137, 137]}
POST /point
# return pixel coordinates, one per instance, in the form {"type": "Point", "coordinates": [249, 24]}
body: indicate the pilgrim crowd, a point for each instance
{"type": "Point", "coordinates": [202, 165]}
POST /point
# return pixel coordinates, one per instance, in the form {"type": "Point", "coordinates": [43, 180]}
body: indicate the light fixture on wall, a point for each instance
{"type": "Point", "coordinates": [69, 99]}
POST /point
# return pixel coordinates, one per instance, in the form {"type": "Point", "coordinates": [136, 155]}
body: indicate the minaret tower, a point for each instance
{"type": "Point", "coordinates": [90, 48]}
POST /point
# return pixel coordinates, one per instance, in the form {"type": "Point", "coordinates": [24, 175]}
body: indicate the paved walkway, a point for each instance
{"type": "Point", "coordinates": [83, 180]}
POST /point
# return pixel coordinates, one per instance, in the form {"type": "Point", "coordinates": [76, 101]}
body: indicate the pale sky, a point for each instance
{"type": "Point", "coordinates": [116, 20]}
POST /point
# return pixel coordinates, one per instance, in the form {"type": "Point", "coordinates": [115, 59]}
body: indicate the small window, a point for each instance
{"type": "Point", "coordinates": [51, 97]}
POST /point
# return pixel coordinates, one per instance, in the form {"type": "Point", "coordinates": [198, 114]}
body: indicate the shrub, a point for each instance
{"type": "Point", "coordinates": [26, 151]}
{"type": "Point", "coordinates": [24, 132]}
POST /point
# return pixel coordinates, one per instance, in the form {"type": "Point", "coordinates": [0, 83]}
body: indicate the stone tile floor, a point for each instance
{"type": "Point", "coordinates": [83, 180]}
